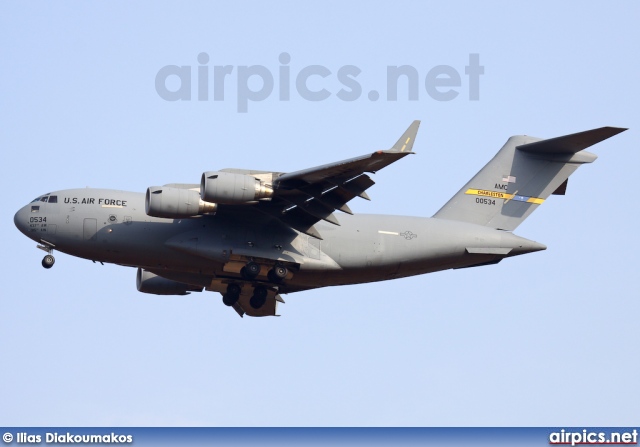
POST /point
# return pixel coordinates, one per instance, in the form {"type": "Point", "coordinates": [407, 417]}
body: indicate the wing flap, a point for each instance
{"type": "Point", "coordinates": [357, 186]}
{"type": "Point", "coordinates": [291, 215]}
{"type": "Point", "coordinates": [314, 207]}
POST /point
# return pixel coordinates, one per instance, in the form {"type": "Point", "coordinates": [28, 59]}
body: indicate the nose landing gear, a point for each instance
{"type": "Point", "coordinates": [48, 260]}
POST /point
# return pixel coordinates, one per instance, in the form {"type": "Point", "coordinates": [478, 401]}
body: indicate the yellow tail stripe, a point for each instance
{"type": "Point", "coordinates": [504, 195]}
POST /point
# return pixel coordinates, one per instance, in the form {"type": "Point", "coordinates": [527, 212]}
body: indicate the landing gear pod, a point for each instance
{"type": "Point", "coordinates": [147, 282]}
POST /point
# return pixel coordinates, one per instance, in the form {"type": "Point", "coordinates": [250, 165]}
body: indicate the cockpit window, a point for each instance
{"type": "Point", "coordinates": [46, 198]}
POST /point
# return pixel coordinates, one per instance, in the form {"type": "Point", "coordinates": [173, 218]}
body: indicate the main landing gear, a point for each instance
{"type": "Point", "coordinates": [257, 300]}
{"type": "Point", "coordinates": [252, 269]}
{"type": "Point", "coordinates": [259, 297]}
{"type": "Point", "coordinates": [232, 296]}
{"type": "Point", "coordinates": [250, 272]}
{"type": "Point", "coordinates": [278, 273]}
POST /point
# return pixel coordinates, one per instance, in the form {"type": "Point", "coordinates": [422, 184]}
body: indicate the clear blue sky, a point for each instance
{"type": "Point", "coordinates": [545, 339]}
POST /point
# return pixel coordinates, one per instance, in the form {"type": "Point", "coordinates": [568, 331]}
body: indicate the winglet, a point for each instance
{"type": "Point", "coordinates": [405, 143]}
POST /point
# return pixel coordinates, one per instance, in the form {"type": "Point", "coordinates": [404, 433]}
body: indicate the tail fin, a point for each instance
{"type": "Point", "coordinates": [520, 177]}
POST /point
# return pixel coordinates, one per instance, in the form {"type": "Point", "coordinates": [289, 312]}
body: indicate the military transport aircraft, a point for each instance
{"type": "Point", "coordinates": [253, 235]}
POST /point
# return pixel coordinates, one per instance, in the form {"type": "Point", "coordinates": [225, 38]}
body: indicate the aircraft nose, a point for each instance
{"type": "Point", "coordinates": [20, 219]}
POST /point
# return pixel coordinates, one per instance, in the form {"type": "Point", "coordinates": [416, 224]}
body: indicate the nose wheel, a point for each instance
{"type": "Point", "coordinates": [48, 261]}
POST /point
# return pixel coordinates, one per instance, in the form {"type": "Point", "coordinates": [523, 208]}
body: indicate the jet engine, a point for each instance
{"type": "Point", "coordinates": [175, 203]}
{"type": "Point", "coordinates": [232, 188]}
{"type": "Point", "coordinates": [147, 282]}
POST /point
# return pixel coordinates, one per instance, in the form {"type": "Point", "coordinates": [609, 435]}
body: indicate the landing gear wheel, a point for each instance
{"type": "Point", "coordinates": [251, 270]}
{"type": "Point", "coordinates": [259, 297]}
{"type": "Point", "coordinates": [278, 273]}
{"type": "Point", "coordinates": [233, 294]}
{"type": "Point", "coordinates": [48, 261]}
{"type": "Point", "coordinates": [233, 289]}
{"type": "Point", "coordinates": [229, 300]}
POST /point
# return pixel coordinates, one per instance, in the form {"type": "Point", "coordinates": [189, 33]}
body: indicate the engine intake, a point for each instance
{"type": "Point", "coordinates": [175, 203]}
{"type": "Point", "coordinates": [147, 282]}
{"type": "Point", "coordinates": [231, 188]}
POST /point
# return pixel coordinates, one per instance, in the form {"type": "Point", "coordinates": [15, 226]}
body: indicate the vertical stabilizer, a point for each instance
{"type": "Point", "coordinates": [522, 175]}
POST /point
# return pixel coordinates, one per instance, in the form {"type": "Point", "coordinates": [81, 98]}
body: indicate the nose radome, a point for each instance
{"type": "Point", "coordinates": [20, 220]}
{"type": "Point", "coordinates": [16, 219]}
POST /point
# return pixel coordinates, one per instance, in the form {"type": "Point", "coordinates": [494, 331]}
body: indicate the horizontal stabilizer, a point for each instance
{"type": "Point", "coordinates": [570, 144]}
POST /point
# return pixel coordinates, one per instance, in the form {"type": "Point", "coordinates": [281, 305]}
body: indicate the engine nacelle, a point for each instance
{"type": "Point", "coordinates": [147, 282]}
{"type": "Point", "coordinates": [175, 203]}
{"type": "Point", "coordinates": [230, 188]}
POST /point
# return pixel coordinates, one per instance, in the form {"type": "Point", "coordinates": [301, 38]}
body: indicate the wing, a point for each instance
{"type": "Point", "coordinates": [302, 198]}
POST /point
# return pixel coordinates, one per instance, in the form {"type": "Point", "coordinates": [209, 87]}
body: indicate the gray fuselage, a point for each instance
{"type": "Point", "coordinates": [112, 226]}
